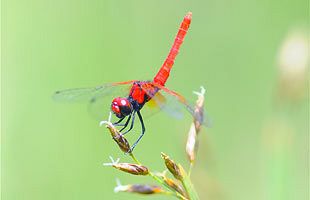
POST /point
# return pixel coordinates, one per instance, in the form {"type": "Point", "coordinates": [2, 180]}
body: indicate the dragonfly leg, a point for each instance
{"type": "Point", "coordinates": [132, 122]}
{"type": "Point", "coordinates": [119, 121]}
{"type": "Point", "coordinates": [126, 124]}
{"type": "Point", "coordinates": [142, 133]}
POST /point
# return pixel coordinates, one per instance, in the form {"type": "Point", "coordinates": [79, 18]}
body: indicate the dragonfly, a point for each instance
{"type": "Point", "coordinates": [139, 93]}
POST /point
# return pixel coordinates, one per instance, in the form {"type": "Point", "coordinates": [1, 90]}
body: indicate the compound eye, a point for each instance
{"type": "Point", "coordinates": [124, 102]}
{"type": "Point", "coordinates": [121, 107]}
{"type": "Point", "coordinates": [125, 107]}
{"type": "Point", "coordinates": [115, 109]}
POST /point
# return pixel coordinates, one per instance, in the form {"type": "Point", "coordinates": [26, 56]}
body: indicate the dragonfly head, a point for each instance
{"type": "Point", "coordinates": [121, 107]}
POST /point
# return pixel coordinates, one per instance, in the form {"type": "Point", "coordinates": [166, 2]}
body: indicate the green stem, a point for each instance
{"type": "Point", "coordinates": [190, 169]}
{"type": "Point", "coordinates": [188, 186]}
{"type": "Point", "coordinates": [134, 158]}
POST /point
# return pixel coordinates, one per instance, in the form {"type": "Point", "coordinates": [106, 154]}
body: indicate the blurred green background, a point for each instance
{"type": "Point", "coordinates": [258, 146]}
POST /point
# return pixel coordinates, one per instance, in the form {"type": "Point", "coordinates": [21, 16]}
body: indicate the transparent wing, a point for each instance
{"type": "Point", "coordinates": [150, 109]}
{"type": "Point", "coordinates": [176, 105]}
{"type": "Point", "coordinates": [98, 98]}
{"type": "Point", "coordinates": [86, 94]}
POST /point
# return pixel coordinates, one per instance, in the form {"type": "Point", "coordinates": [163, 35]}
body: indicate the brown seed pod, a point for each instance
{"type": "Point", "coordinates": [172, 166]}
{"type": "Point", "coordinates": [191, 143]}
{"type": "Point", "coordinates": [174, 185]}
{"type": "Point", "coordinates": [120, 140]}
{"type": "Point", "coordinates": [145, 189]}
{"type": "Point", "coordinates": [138, 188]}
{"type": "Point", "coordinates": [132, 168]}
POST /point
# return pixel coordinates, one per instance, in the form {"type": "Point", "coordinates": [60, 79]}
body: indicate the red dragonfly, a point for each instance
{"type": "Point", "coordinates": [140, 92]}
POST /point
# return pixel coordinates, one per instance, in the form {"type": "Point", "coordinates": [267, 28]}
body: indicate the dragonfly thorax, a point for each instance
{"type": "Point", "coordinates": [121, 107]}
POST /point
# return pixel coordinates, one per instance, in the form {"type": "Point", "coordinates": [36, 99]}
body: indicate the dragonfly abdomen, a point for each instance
{"type": "Point", "coordinates": [163, 74]}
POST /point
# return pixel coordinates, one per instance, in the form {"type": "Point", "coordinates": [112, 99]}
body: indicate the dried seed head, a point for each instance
{"type": "Point", "coordinates": [128, 167]}
{"type": "Point", "coordinates": [174, 185]}
{"type": "Point", "coordinates": [138, 188]}
{"type": "Point", "coordinates": [117, 137]}
{"type": "Point", "coordinates": [191, 144]}
{"type": "Point", "coordinates": [121, 142]}
{"type": "Point", "coordinates": [172, 167]}
{"type": "Point", "coordinates": [199, 108]}
{"type": "Point", "coordinates": [145, 189]}
{"type": "Point", "coordinates": [132, 168]}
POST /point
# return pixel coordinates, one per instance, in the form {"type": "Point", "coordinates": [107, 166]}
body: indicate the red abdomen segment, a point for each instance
{"type": "Point", "coordinates": [163, 74]}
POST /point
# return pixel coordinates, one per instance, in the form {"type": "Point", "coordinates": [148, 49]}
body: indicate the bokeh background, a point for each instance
{"type": "Point", "coordinates": [250, 55]}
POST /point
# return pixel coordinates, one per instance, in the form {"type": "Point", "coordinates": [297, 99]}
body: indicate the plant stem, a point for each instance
{"type": "Point", "coordinates": [188, 186]}
{"type": "Point", "coordinates": [190, 169]}
{"type": "Point", "coordinates": [134, 158]}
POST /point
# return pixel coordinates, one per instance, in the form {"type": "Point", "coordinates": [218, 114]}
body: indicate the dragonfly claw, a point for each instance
{"type": "Point", "coordinates": [131, 149]}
